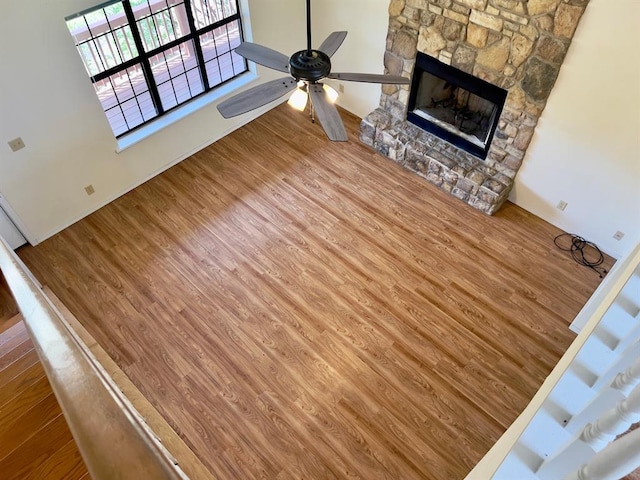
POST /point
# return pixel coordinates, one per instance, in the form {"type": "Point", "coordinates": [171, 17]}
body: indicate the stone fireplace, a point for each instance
{"type": "Point", "coordinates": [513, 46]}
{"type": "Point", "coordinates": [459, 108]}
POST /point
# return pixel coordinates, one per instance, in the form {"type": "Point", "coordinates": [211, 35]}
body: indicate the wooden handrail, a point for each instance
{"type": "Point", "coordinates": [114, 441]}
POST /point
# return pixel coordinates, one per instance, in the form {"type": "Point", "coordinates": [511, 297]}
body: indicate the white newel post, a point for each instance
{"type": "Point", "coordinates": [614, 422]}
{"type": "Point", "coordinates": [628, 379]}
{"type": "Point", "coordinates": [614, 462]}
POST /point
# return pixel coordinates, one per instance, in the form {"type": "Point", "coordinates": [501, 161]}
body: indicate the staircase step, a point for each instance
{"type": "Point", "coordinates": [544, 435]}
{"type": "Point", "coordinates": [615, 324]}
{"type": "Point", "coordinates": [632, 337]}
{"type": "Point", "coordinates": [627, 359]}
{"type": "Point", "coordinates": [597, 357]}
{"type": "Point", "coordinates": [602, 403]}
{"type": "Point", "coordinates": [631, 292]}
{"type": "Point", "coordinates": [520, 464]}
{"type": "Point", "coordinates": [571, 393]}
{"type": "Point", "coordinates": [576, 455]}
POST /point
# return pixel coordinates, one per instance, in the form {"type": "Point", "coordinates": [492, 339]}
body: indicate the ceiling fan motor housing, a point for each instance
{"type": "Point", "coordinates": [309, 65]}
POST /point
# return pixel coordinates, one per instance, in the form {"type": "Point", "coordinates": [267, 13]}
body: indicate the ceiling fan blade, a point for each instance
{"type": "Point", "coordinates": [256, 97]}
{"type": "Point", "coordinates": [327, 114]}
{"type": "Point", "coordinates": [264, 56]}
{"type": "Point", "coordinates": [332, 43]}
{"type": "Point", "coordinates": [370, 78]}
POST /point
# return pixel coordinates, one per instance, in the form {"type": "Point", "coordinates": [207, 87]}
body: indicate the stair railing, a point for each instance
{"type": "Point", "coordinates": [618, 459]}
{"type": "Point", "coordinates": [111, 435]}
{"type": "Point", "coordinates": [594, 425]}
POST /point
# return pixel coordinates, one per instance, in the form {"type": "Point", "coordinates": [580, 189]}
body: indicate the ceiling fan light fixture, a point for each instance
{"type": "Point", "coordinates": [298, 99]}
{"type": "Point", "coordinates": [331, 92]}
{"type": "Point", "coordinates": [306, 68]}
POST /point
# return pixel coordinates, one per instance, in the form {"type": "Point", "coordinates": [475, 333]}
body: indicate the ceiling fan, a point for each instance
{"type": "Point", "coordinates": [305, 70]}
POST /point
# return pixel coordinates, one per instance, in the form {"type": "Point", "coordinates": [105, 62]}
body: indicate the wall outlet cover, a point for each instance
{"type": "Point", "coordinates": [16, 144]}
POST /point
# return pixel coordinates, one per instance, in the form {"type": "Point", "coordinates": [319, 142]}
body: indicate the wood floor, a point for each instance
{"type": "Point", "coordinates": [35, 441]}
{"type": "Point", "coordinates": [8, 307]}
{"type": "Point", "coordinates": [303, 309]}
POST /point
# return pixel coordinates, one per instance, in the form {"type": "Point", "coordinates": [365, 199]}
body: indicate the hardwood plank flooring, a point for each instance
{"type": "Point", "coordinates": [35, 441]}
{"type": "Point", "coordinates": [297, 308]}
{"type": "Point", "coordinates": [8, 307]}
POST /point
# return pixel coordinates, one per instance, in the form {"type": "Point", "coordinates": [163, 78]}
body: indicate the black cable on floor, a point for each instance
{"type": "Point", "coordinates": [583, 252]}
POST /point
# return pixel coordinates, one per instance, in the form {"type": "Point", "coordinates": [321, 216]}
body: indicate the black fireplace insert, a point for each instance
{"type": "Point", "coordinates": [459, 108]}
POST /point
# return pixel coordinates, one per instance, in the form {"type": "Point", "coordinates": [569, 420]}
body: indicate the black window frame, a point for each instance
{"type": "Point", "coordinates": [143, 57]}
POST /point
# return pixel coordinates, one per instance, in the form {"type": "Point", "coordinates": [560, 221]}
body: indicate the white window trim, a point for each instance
{"type": "Point", "coordinates": [213, 96]}
{"type": "Point", "coordinates": [146, 131]}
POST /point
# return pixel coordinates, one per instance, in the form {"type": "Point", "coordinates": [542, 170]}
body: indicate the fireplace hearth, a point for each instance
{"type": "Point", "coordinates": [466, 141]}
{"type": "Point", "coordinates": [454, 105]}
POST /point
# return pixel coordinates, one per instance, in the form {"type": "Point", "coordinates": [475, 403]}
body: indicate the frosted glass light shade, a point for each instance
{"type": "Point", "coordinates": [298, 99]}
{"type": "Point", "coordinates": [331, 93]}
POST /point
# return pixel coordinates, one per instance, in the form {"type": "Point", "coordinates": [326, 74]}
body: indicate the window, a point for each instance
{"type": "Point", "coordinates": [146, 57]}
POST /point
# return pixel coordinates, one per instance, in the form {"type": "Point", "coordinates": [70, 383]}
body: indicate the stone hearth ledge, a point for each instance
{"type": "Point", "coordinates": [446, 166]}
{"type": "Point", "coordinates": [518, 45]}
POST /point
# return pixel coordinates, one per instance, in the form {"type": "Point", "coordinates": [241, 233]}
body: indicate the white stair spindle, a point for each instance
{"type": "Point", "coordinates": [614, 462]}
{"type": "Point", "coordinates": [614, 422]}
{"type": "Point", "coordinates": [628, 379]}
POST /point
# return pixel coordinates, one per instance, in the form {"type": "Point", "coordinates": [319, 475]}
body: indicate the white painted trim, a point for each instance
{"type": "Point", "coordinates": [178, 114]}
{"type": "Point", "coordinates": [491, 462]}
{"type": "Point", "coordinates": [11, 213]}
{"type": "Point", "coordinates": [606, 292]}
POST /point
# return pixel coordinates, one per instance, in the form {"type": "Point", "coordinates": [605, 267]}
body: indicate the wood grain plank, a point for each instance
{"type": "Point", "coordinates": [29, 423]}
{"type": "Point", "coordinates": [8, 307]}
{"type": "Point", "coordinates": [36, 450]}
{"type": "Point", "coordinates": [18, 385]}
{"type": "Point", "coordinates": [13, 352]}
{"type": "Point", "coordinates": [28, 398]}
{"type": "Point", "coordinates": [64, 464]}
{"type": "Point", "coordinates": [295, 308]}
{"type": "Point", "coordinates": [17, 367]}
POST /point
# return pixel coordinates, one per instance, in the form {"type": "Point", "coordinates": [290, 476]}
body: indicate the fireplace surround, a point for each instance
{"type": "Point", "coordinates": [459, 108]}
{"type": "Point", "coordinates": [514, 45]}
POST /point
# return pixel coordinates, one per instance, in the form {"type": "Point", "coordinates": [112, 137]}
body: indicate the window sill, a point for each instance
{"type": "Point", "coordinates": [178, 114]}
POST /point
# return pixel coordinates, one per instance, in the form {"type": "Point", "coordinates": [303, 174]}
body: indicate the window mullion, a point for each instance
{"type": "Point", "coordinates": [197, 46]}
{"type": "Point", "coordinates": [144, 59]}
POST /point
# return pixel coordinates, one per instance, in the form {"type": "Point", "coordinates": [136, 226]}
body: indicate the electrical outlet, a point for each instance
{"type": "Point", "coordinates": [16, 144]}
{"type": "Point", "coordinates": [618, 235]}
{"type": "Point", "coordinates": [89, 189]}
{"type": "Point", "coordinates": [341, 88]}
{"type": "Point", "coordinates": [561, 205]}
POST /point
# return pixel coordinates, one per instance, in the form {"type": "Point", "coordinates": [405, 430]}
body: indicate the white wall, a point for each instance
{"type": "Point", "coordinates": [367, 22]}
{"type": "Point", "coordinates": [47, 99]}
{"type": "Point", "coordinates": [586, 149]}
{"type": "Point", "coordinates": [577, 154]}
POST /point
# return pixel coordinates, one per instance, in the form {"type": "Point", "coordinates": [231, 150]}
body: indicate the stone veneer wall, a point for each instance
{"type": "Point", "coordinates": [518, 45]}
